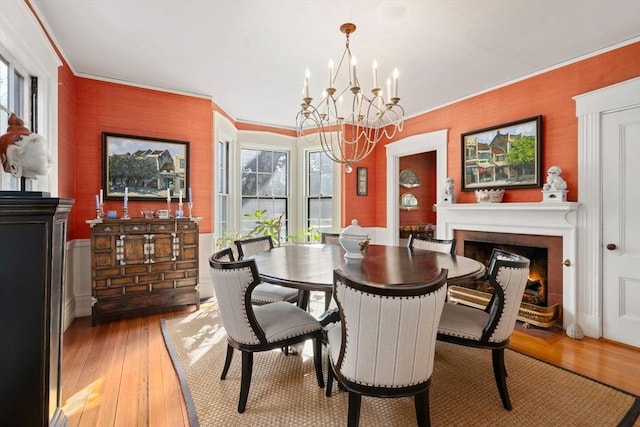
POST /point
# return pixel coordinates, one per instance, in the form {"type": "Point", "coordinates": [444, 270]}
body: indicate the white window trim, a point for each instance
{"type": "Point", "coordinates": [23, 40]}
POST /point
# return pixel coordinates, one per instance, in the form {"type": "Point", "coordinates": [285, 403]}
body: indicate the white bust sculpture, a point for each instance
{"type": "Point", "coordinates": [554, 180]}
{"type": "Point", "coordinates": [23, 153]}
{"type": "Point", "coordinates": [29, 157]}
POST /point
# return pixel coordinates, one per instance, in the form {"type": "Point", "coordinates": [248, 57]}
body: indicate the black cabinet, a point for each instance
{"type": "Point", "coordinates": [32, 250]}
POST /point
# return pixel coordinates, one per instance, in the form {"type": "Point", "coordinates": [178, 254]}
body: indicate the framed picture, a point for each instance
{"type": "Point", "coordinates": [149, 168]}
{"type": "Point", "coordinates": [504, 156]}
{"type": "Point", "coordinates": [362, 183]}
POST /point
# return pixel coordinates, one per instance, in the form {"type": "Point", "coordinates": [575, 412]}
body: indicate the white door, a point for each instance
{"type": "Point", "coordinates": [621, 226]}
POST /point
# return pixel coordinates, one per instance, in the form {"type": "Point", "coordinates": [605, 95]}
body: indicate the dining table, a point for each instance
{"type": "Point", "coordinates": [309, 267]}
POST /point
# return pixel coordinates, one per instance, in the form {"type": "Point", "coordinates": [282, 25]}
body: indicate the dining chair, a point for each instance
{"type": "Point", "coordinates": [264, 293]}
{"type": "Point", "coordinates": [384, 343]}
{"type": "Point", "coordinates": [438, 245]}
{"type": "Point", "coordinates": [253, 329]}
{"type": "Point", "coordinates": [490, 328]}
{"type": "Point", "coordinates": [329, 239]}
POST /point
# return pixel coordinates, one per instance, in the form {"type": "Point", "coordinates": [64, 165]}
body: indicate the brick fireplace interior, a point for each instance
{"type": "Point", "coordinates": [544, 252]}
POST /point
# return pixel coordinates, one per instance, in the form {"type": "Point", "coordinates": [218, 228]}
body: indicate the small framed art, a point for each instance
{"type": "Point", "coordinates": [362, 183]}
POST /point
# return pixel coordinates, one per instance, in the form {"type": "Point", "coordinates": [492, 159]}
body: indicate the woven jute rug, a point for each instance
{"type": "Point", "coordinates": [284, 391]}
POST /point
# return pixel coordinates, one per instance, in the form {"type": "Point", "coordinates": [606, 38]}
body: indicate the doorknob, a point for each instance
{"type": "Point", "coordinates": [611, 247]}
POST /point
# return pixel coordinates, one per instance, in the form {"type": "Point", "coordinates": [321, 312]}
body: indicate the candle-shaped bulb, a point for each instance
{"type": "Point", "coordinates": [331, 73]}
{"type": "Point", "coordinates": [375, 74]}
{"type": "Point", "coordinates": [307, 74]}
{"type": "Point", "coordinates": [395, 82]}
{"type": "Point", "coordinates": [353, 65]}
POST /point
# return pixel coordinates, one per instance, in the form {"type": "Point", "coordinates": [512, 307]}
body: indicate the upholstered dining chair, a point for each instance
{"type": "Point", "coordinates": [264, 293]}
{"type": "Point", "coordinates": [438, 245]}
{"type": "Point", "coordinates": [329, 239]}
{"type": "Point", "coordinates": [490, 328]}
{"type": "Point", "coordinates": [253, 329]}
{"type": "Point", "coordinates": [384, 344]}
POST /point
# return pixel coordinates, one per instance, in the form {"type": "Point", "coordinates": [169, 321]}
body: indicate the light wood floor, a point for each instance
{"type": "Point", "coordinates": [120, 374]}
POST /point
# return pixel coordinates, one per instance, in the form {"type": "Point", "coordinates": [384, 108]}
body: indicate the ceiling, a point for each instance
{"type": "Point", "coordinates": [250, 56]}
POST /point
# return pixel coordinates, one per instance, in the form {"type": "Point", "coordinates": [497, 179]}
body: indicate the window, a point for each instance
{"type": "Point", "coordinates": [222, 188]}
{"type": "Point", "coordinates": [265, 186]}
{"type": "Point", "coordinates": [12, 97]}
{"type": "Point", "coordinates": [319, 191]}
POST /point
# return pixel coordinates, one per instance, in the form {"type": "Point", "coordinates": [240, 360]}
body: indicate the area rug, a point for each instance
{"type": "Point", "coordinates": [284, 391]}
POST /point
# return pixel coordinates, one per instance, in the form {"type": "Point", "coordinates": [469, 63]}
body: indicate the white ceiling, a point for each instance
{"type": "Point", "coordinates": [250, 56]}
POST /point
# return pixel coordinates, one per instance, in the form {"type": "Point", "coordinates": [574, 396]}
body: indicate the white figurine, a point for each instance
{"type": "Point", "coordinates": [448, 197]}
{"type": "Point", "coordinates": [448, 186]}
{"type": "Point", "coordinates": [28, 157]}
{"type": "Point", "coordinates": [554, 180]}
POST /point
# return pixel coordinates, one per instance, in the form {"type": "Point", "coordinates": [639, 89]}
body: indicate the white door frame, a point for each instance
{"type": "Point", "coordinates": [415, 144]}
{"type": "Point", "coordinates": [589, 109]}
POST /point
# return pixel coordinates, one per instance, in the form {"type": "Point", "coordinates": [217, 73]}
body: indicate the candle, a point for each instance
{"type": "Point", "coordinates": [331, 73]}
{"type": "Point", "coordinates": [375, 74]}
{"type": "Point", "coordinates": [168, 195]}
{"type": "Point", "coordinates": [180, 197]}
{"type": "Point", "coordinates": [353, 65]}
{"type": "Point", "coordinates": [97, 202]}
{"type": "Point", "coordinates": [190, 196]}
{"type": "Point", "coordinates": [126, 196]}
{"type": "Point", "coordinates": [101, 197]}
{"type": "Point", "coordinates": [307, 74]}
{"type": "Point", "coordinates": [395, 82]}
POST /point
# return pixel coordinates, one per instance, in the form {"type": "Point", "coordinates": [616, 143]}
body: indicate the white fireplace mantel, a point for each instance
{"type": "Point", "coordinates": [544, 219]}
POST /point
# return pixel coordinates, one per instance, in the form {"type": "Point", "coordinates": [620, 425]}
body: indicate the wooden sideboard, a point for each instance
{"type": "Point", "coordinates": [143, 265]}
{"type": "Point", "coordinates": [32, 249]}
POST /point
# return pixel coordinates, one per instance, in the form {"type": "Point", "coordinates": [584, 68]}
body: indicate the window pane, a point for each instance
{"type": "Point", "coordinates": [4, 85]}
{"type": "Point", "coordinates": [279, 184]}
{"type": "Point", "coordinates": [265, 162]}
{"type": "Point", "coordinates": [314, 185]}
{"type": "Point", "coordinates": [327, 184]}
{"type": "Point", "coordinates": [314, 162]}
{"type": "Point", "coordinates": [249, 184]}
{"type": "Point", "coordinates": [249, 160]}
{"type": "Point", "coordinates": [265, 187]}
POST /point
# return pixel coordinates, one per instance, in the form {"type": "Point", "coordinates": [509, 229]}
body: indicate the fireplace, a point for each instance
{"type": "Point", "coordinates": [546, 225]}
{"type": "Point", "coordinates": [542, 299]}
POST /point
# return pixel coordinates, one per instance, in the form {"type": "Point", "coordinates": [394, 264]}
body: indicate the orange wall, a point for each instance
{"type": "Point", "coordinates": [108, 107]}
{"type": "Point", "coordinates": [549, 94]}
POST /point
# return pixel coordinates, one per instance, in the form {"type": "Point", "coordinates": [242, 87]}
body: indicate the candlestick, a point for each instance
{"type": "Point", "coordinates": [306, 83]}
{"type": "Point", "coordinates": [190, 195]}
{"type": "Point", "coordinates": [168, 195]}
{"type": "Point", "coordinates": [101, 196]}
{"type": "Point", "coordinates": [331, 73]}
{"type": "Point", "coordinates": [126, 196]}
{"type": "Point", "coordinates": [97, 202]}
{"type": "Point", "coordinates": [180, 198]}
{"type": "Point", "coordinates": [353, 65]}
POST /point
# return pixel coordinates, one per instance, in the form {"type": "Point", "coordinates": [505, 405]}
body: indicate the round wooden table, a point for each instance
{"type": "Point", "coordinates": [310, 267]}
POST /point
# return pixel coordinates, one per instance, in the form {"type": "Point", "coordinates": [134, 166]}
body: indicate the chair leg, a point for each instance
{"type": "Point", "coordinates": [422, 409]}
{"type": "Point", "coordinates": [500, 373]}
{"type": "Point", "coordinates": [245, 382]}
{"type": "Point", "coordinates": [354, 409]}
{"type": "Point", "coordinates": [317, 360]}
{"type": "Point", "coordinates": [227, 362]}
{"type": "Point", "coordinates": [327, 300]}
{"type": "Point", "coordinates": [329, 379]}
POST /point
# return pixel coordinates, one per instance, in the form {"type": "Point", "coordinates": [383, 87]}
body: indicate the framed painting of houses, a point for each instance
{"type": "Point", "coordinates": [148, 168]}
{"type": "Point", "coordinates": [504, 156]}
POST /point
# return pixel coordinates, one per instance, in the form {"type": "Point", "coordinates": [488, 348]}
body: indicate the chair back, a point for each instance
{"type": "Point", "coordinates": [248, 247]}
{"type": "Point", "coordinates": [437, 245]}
{"type": "Point", "coordinates": [508, 274]}
{"type": "Point", "coordinates": [233, 282]}
{"type": "Point", "coordinates": [330, 238]}
{"type": "Point", "coordinates": [388, 332]}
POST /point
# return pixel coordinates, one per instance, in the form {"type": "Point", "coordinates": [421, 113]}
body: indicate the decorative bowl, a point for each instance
{"type": "Point", "coordinates": [354, 240]}
{"type": "Point", "coordinates": [489, 196]}
{"type": "Point", "coordinates": [147, 214]}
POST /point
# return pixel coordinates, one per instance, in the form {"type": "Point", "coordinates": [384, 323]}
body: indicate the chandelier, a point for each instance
{"type": "Point", "coordinates": [349, 122]}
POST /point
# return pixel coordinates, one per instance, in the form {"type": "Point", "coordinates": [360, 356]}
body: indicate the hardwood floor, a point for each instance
{"type": "Point", "coordinates": [119, 373]}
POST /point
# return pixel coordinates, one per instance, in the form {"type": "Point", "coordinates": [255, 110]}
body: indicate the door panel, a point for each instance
{"type": "Point", "coordinates": [621, 226]}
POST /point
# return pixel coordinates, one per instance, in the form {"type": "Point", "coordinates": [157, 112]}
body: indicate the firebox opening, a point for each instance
{"type": "Point", "coordinates": [536, 290]}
